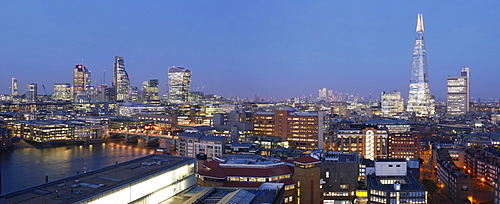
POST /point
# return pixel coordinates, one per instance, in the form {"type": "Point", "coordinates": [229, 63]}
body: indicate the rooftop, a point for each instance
{"type": "Point", "coordinates": [81, 186]}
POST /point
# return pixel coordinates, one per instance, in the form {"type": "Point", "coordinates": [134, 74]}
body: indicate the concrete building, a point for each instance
{"type": "Point", "coordinates": [150, 92]}
{"type": "Point", "coordinates": [150, 179]}
{"type": "Point", "coordinates": [31, 92]}
{"type": "Point", "coordinates": [131, 109]}
{"type": "Point", "coordinates": [370, 142]}
{"type": "Point", "coordinates": [340, 173]}
{"type": "Point", "coordinates": [302, 130]}
{"type": "Point", "coordinates": [456, 182]}
{"type": "Point", "coordinates": [458, 97]}
{"type": "Point", "coordinates": [307, 174]}
{"type": "Point", "coordinates": [191, 144]}
{"type": "Point", "coordinates": [392, 183]}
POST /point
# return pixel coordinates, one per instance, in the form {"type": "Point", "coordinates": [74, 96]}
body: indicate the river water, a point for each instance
{"type": "Point", "coordinates": [28, 166]}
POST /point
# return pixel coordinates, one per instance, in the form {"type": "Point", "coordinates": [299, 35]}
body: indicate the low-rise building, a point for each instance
{"type": "Point", "coordinates": [190, 144]}
{"type": "Point", "coordinates": [392, 183]}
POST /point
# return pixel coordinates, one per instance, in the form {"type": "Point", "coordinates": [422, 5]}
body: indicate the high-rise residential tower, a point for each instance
{"type": "Point", "coordinates": [121, 82]}
{"type": "Point", "coordinates": [81, 80]}
{"type": "Point", "coordinates": [458, 97]}
{"type": "Point", "coordinates": [31, 92]}
{"type": "Point", "coordinates": [420, 101]}
{"type": "Point", "coordinates": [179, 80]}
{"type": "Point", "coordinates": [14, 87]}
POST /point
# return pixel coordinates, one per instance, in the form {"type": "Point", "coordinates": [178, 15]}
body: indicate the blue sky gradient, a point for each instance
{"type": "Point", "coordinates": [242, 48]}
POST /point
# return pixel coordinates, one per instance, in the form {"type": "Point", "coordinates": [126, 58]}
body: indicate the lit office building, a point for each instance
{"type": "Point", "coordinates": [62, 91]}
{"type": "Point", "coordinates": [179, 80]}
{"type": "Point", "coordinates": [81, 80]}
{"type": "Point", "coordinates": [370, 142]}
{"type": "Point", "coordinates": [150, 90]}
{"type": "Point", "coordinates": [14, 87]}
{"type": "Point", "coordinates": [31, 92]}
{"type": "Point", "coordinates": [121, 82]}
{"type": "Point", "coordinates": [302, 130]}
{"type": "Point", "coordinates": [458, 97]}
{"type": "Point", "coordinates": [191, 144]}
{"type": "Point", "coordinates": [420, 101]}
{"type": "Point", "coordinates": [392, 103]}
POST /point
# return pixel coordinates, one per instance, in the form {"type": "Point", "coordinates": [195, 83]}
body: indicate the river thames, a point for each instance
{"type": "Point", "coordinates": [28, 166]}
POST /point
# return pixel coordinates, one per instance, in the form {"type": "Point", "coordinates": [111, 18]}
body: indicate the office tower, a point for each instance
{"type": "Point", "coordinates": [14, 87]}
{"type": "Point", "coordinates": [121, 82]}
{"type": "Point", "coordinates": [179, 79]}
{"type": "Point", "coordinates": [31, 91]}
{"type": "Point", "coordinates": [150, 91]}
{"type": "Point", "coordinates": [81, 80]}
{"type": "Point", "coordinates": [392, 103]}
{"type": "Point", "coordinates": [458, 96]}
{"type": "Point", "coordinates": [419, 99]}
{"type": "Point", "coordinates": [62, 91]}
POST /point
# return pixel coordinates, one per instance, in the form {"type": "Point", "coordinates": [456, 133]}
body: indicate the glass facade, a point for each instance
{"type": "Point", "coordinates": [81, 79]}
{"type": "Point", "coordinates": [121, 81]}
{"type": "Point", "coordinates": [179, 80]}
{"type": "Point", "coordinates": [458, 96]}
{"type": "Point", "coordinates": [419, 99]}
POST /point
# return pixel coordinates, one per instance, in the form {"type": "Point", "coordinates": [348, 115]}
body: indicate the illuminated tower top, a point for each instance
{"type": "Point", "coordinates": [420, 101]}
{"type": "Point", "coordinates": [121, 82]}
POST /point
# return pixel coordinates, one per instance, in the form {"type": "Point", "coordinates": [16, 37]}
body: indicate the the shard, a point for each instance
{"type": "Point", "coordinates": [420, 101]}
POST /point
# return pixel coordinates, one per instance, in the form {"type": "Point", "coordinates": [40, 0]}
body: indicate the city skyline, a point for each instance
{"type": "Point", "coordinates": [245, 49]}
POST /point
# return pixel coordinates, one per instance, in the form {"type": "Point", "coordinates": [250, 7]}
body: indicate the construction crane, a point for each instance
{"type": "Point", "coordinates": [45, 90]}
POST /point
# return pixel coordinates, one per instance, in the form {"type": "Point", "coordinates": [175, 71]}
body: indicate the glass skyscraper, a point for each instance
{"type": "Point", "coordinates": [121, 82]}
{"type": "Point", "coordinates": [14, 88]}
{"type": "Point", "coordinates": [420, 101]}
{"type": "Point", "coordinates": [179, 80]}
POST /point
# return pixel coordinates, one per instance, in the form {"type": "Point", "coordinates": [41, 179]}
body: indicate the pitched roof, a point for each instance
{"type": "Point", "coordinates": [306, 160]}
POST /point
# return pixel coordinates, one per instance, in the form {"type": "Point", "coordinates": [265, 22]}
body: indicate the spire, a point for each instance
{"type": "Point", "coordinates": [420, 23]}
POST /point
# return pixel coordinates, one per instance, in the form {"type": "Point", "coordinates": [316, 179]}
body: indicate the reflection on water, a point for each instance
{"type": "Point", "coordinates": [27, 167]}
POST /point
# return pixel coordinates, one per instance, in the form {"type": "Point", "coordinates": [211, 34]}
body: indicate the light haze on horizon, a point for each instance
{"type": "Point", "coordinates": [245, 48]}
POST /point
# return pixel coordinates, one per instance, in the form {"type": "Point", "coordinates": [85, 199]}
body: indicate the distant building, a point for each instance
{"type": "Point", "coordinates": [150, 91]}
{"type": "Point", "coordinates": [420, 101]}
{"type": "Point", "coordinates": [14, 87]}
{"type": "Point", "coordinates": [303, 130]}
{"type": "Point", "coordinates": [62, 92]}
{"type": "Point", "coordinates": [5, 137]}
{"type": "Point", "coordinates": [81, 80]}
{"type": "Point", "coordinates": [458, 97]}
{"type": "Point", "coordinates": [339, 108]}
{"type": "Point", "coordinates": [393, 183]}
{"type": "Point", "coordinates": [121, 81]}
{"type": "Point", "coordinates": [179, 80]}
{"type": "Point", "coordinates": [31, 92]}
{"type": "Point", "coordinates": [130, 109]}
{"type": "Point", "coordinates": [392, 104]}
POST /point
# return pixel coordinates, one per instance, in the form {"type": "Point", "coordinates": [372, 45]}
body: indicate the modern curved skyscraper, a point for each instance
{"type": "Point", "coordinates": [121, 82]}
{"type": "Point", "coordinates": [179, 80]}
{"type": "Point", "coordinates": [420, 101]}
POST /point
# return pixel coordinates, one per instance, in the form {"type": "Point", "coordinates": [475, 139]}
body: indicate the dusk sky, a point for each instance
{"type": "Point", "coordinates": [242, 48]}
